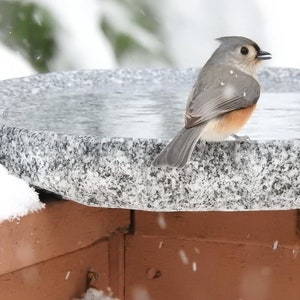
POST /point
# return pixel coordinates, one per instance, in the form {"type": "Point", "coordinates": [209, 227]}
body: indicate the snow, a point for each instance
{"type": "Point", "coordinates": [295, 253]}
{"type": "Point", "coordinates": [161, 221]}
{"type": "Point", "coordinates": [229, 91]}
{"type": "Point", "coordinates": [93, 294]}
{"type": "Point", "coordinates": [197, 250]}
{"type": "Point", "coordinates": [194, 266]}
{"type": "Point", "coordinates": [17, 199]}
{"type": "Point", "coordinates": [275, 245]}
{"type": "Point", "coordinates": [67, 275]}
{"type": "Point", "coordinates": [140, 292]}
{"type": "Point", "coordinates": [183, 257]}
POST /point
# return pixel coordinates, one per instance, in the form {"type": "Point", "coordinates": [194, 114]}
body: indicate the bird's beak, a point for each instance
{"type": "Point", "coordinates": [262, 55]}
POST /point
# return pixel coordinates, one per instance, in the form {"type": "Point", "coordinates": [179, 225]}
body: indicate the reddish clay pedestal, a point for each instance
{"type": "Point", "coordinates": [150, 256]}
{"type": "Point", "coordinates": [214, 255]}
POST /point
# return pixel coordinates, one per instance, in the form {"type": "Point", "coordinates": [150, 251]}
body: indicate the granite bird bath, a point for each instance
{"type": "Point", "coordinates": [90, 136]}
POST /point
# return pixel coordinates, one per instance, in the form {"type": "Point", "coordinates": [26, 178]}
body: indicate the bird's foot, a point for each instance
{"type": "Point", "coordinates": [242, 138]}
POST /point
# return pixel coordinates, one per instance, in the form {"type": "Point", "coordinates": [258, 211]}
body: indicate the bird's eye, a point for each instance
{"type": "Point", "coordinates": [244, 50]}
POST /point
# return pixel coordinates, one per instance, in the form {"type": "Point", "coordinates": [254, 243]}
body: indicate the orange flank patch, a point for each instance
{"type": "Point", "coordinates": [235, 120]}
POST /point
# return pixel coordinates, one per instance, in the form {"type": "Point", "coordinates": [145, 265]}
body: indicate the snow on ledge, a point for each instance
{"type": "Point", "coordinates": [17, 198]}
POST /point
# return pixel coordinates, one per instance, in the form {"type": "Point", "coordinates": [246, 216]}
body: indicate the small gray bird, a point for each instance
{"type": "Point", "coordinates": [221, 101]}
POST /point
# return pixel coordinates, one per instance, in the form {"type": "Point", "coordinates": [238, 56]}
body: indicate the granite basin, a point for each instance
{"type": "Point", "coordinates": [90, 136]}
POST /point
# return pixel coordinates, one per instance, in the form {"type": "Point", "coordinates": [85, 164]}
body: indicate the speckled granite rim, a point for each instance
{"type": "Point", "coordinates": [112, 172]}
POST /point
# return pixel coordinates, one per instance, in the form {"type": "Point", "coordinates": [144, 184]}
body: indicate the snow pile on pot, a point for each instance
{"type": "Point", "coordinates": [17, 198]}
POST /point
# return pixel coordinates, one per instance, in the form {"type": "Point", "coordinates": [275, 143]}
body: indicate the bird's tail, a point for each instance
{"type": "Point", "coordinates": [179, 150]}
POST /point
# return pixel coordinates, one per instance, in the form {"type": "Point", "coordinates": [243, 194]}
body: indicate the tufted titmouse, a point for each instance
{"type": "Point", "coordinates": [221, 101]}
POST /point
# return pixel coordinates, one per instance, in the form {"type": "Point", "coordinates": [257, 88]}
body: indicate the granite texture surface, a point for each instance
{"type": "Point", "coordinates": [107, 171]}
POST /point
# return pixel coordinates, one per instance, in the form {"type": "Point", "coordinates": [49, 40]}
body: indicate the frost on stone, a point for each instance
{"type": "Point", "coordinates": [17, 198]}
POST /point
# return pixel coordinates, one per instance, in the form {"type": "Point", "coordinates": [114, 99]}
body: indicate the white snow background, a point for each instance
{"type": "Point", "coordinates": [190, 28]}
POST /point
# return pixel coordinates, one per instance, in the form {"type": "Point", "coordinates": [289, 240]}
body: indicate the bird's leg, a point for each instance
{"type": "Point", "coordinates": [241, 137]}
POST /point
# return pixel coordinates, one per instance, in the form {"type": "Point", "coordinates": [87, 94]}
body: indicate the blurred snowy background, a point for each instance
{"type": "Point", "coordinates": [51, 35]}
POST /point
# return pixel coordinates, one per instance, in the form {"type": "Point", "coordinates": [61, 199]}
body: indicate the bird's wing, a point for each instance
{"type": "Point", "coordinates": [221, 91]}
